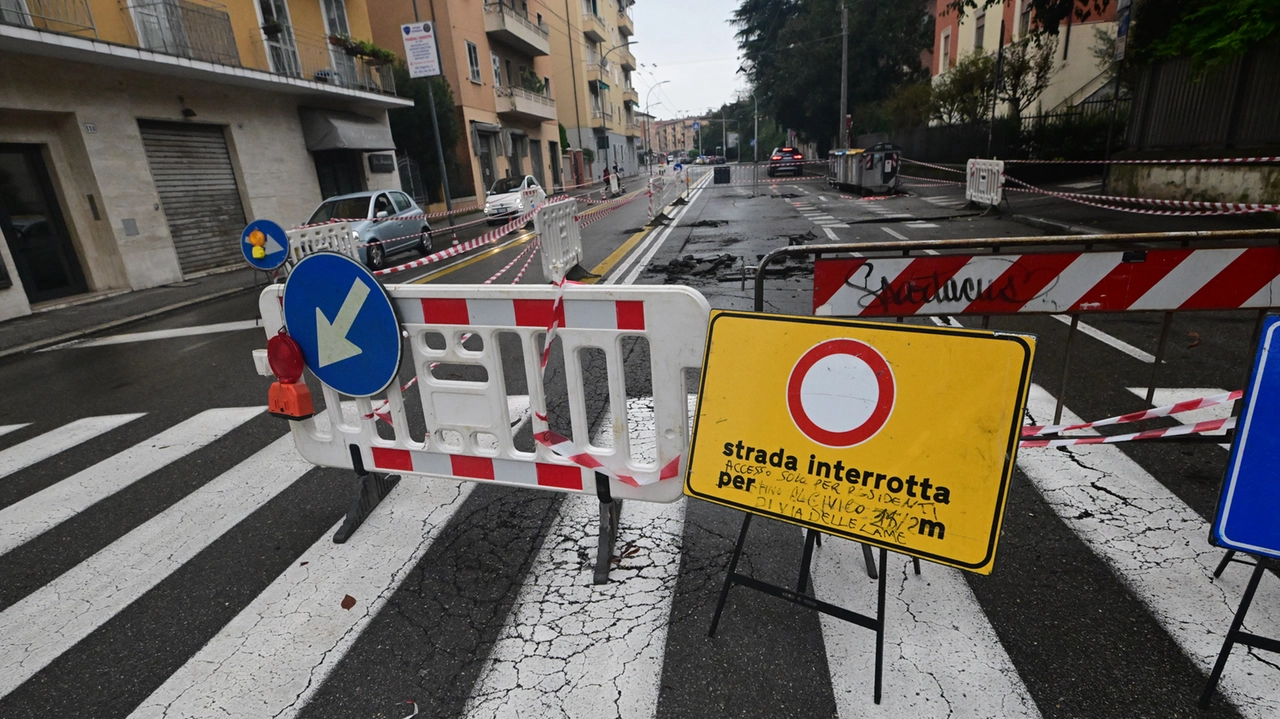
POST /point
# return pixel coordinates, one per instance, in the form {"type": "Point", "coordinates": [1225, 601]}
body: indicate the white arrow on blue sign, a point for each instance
{"type": "Point", "coordinates": [344, 322]}
{"type": "Point", "coordinates": [1246, 519]}
{"type": "Point", "coordinates": [265, 245]}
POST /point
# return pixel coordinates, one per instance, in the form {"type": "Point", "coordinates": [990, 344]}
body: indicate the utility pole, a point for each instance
{"type": "Point", "coordinates": [844, 77]}
{"type": "Point", "coordinates": [755, 149]}
{"type": "Point", "coordinates": [995, 91]}
{"type": "Point", "coordinates": [435, 125]}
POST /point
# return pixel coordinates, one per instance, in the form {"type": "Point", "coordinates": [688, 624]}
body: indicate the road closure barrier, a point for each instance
{"type": "Point", "coordinates": [985, 182]}
{"type": "Point", "coordinates": [560, 237]}
{"type": "Point", "coordinates": [329, 237]}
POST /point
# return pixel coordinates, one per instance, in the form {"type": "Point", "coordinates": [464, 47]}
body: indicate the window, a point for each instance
{"type": "Point", "coordinates": [944, 59]}
{"type": "Point", "coordinates": [980, 29]}
{"type": "Point", "coordinates": [512, 79]}
{"type": "Point", "coordinates": [540, 23]}
{"type": "Point", "coordinates": [382, 206]}
{"type": "Point", "coordinates": [1025, 23]}
{"type": "Point", "coordinates": [546, 86]}
{"type": "Point", "coordinates": [473, 61]}
{"type": "Point", "coordinates": [401, 200]}
{"type": "Point", "coordinates": [497, 70]}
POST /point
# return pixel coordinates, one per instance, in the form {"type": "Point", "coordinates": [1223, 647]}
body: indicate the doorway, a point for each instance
{"type": "Point", "coordinates": [34, 228]}
{"type": "Point", "coordinates": [487, 170]}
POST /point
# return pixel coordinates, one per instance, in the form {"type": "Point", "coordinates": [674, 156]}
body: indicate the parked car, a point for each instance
{"type": "Point", "coordinates": [785, 160]}
{"type": "Point", "coordinates": [718, 160]}
{"type": "Point", "coordinates": [511, 197]}
{"type": "Point", "coordinates": [383, 221]}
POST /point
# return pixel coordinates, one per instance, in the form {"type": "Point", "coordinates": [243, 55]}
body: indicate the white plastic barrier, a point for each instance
{"type": "Point", "coordinates": [560, 237]}
{"type": "Point", "coordinates": [335, 237]}
{"type": "Point", "coordinates": [985, 181]}
{"type": "Point", "coordinates": [472, 427]}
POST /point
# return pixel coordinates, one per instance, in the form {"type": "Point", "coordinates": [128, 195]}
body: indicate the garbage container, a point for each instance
{"type": "Point", "coordinates": [722, 175]}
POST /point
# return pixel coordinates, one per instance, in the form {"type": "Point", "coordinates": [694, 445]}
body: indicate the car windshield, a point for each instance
{"type": "Point", "coordinates": [352, 208]}
{"type": "Point", "coordinates": [506, 184]}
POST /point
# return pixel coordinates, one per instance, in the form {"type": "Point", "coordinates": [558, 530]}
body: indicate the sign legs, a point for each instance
{"type": "Point", "coordinates": [370, 489]}
{"type": "Point", "coordinates": [798, 596]}
{"type": "Point", "coordinates": [610, 513]}
{"type": "Point", "coordinates": [1236, 636]}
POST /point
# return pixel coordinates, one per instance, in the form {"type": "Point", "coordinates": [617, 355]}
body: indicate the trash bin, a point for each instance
{"type": "Point", "coordinates": [722, 175]}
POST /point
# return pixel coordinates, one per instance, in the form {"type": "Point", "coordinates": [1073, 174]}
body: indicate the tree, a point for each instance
{"type": "Point", "coordinates": [1048, 14]}
{"type": "Point", "coordinates": [909, 106]}
{"type": "Point", "coordinates": [1211, 32]}
{"type": "Point", "coordinates": [1028, 67]}
{"type": "Point", "coordinates": [963, 94]}
{"type": "Point", "coordinates": [413, 134]}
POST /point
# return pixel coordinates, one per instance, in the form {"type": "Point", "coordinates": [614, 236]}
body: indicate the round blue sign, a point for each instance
{"type": "Point", "coordinates": [345, 323]}
{"type": "Point", "coordinates": [265, 245]}
{"type": "Point", "coordinates": [679, 167]}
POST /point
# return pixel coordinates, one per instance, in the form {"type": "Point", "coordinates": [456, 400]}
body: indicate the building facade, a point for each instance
{"type": "Point", "coordinates": [1077, 73]}
{"type": "Point", "coordinates": [136, 141]}
{"type": "Point", "coordinates": [673, 135]}
{"type": "Point", "coordinates": [593, 86]}
{"type": "Point", "coordinates": [495, 55]}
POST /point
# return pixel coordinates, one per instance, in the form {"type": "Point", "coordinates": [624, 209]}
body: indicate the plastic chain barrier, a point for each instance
{"type": "Point", "coordinates": [1178, 408]}
{"type": "Point", "coordinates": [1074, 197]}
{"type": "Point", "coordinates": [985, 181]}
{"type": "Point", "coordinates": [472, 426]}
{"type": "Point", "coordinates": [560, 236]}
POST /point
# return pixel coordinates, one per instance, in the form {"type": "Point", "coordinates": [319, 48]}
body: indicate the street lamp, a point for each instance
{"type": "Point", "coordinates": [646, 121]}
{"type": "Point", "coordinates": [604, 55]}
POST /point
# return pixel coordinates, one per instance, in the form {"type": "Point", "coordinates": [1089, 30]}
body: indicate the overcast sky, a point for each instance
{"type": "Point", "coordinates": [690, 43]}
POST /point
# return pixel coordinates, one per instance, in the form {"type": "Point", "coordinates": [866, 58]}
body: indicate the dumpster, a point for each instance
{"type": "Point", "coordinates": [844, 169]}
{"type": "Point", "coordinates": [873, 169]}
{"type": "Point", "coordinates": [722, 175]}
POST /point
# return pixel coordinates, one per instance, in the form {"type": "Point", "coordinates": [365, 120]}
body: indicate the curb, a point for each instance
{"type": "Point", "coordinates": [77, 334]}
{"type": "Point", "coordinates": [1055, 227]}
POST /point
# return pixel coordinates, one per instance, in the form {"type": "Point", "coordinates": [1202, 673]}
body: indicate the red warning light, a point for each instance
{"type": "Point", "coordinates": [285, 357]}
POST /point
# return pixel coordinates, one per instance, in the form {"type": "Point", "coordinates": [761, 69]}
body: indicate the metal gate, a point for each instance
{"type": "Point", "coordinates": [197, 186]}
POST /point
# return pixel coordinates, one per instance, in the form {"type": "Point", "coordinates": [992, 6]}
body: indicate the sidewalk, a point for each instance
{"type": "Point", "coordinates": [74, 317]}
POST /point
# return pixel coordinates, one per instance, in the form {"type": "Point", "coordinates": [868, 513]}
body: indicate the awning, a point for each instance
{"type": "Point", "coordinates": [333, 130]}
{"type": "Point", "coordinates": [601, 83]}
{"type": "Point", "coordinates": [486, 126]}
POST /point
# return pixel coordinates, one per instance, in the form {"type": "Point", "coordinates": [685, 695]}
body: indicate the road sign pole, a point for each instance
{"type": "Point", "coordinates": [1236, 636]}
{"type": "Point", "coordinates": [444, 172]}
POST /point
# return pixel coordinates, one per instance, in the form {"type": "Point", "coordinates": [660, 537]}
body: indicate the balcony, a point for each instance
{"type": "Point", "coordinates": [629, 94]}
{"type": "Point", "coordinates": [597, 75]}
{"type": "Point", "coordinates": [520, 104]}
{"type": "Point", "coordinates": [627, 60]}
{"type": "Point", "coordinates": [71, 17]}
{"type": "Point", "coordinates": [593, 27]}
{"type": "Point", "coordinates": [602, 115]}
{"type": "Point", "coordinates": [512, 27]}
{"type": "Point", "coordinates": [309, 56]}
{"type": "Point", "coordinates": [626, 26]}
{"type": "Point", "coordinates": [196, 29]}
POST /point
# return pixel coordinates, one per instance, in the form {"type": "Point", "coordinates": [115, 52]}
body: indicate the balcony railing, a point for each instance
{"type": "Point", "coordinates": [66, 16]}
{"type": "Point", "coordinates": [521, 17]}
{"type": "Point", "coordinates": [199, 30]}
{"type": "Point", "coordinates": [523, 94]}
{"type": "Point", "coordinates": [310, 56]}
{"type": "Point", "coordinates": [598, 114]}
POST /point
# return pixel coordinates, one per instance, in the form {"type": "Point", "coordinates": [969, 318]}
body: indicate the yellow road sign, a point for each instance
{"type": "Point", "coordinates": [897, 435]}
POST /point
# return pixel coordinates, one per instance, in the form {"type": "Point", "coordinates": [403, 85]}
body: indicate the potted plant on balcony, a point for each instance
{"type": "Point", "coordinates": [272, 28]}
{"type": "Point", "coordinates": [377, 56]}
{"type": "Point", "coordinates": [342, 41]}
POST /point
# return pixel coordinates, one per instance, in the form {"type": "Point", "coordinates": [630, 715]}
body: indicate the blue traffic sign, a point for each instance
{"type": "Point", "coordinates": [697, 125]}
{"type": "Point", "coordinates": [679, 167]}
{"type": "Point", "coordinates": [345, 323]}
{"type": "Point", "coordinates": [1246, 519]}
{"type": "Point", "coordinates": [264, 244]}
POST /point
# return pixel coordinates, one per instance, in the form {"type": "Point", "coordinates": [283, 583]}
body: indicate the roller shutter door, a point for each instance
{"type": "Point", "coordinates": [197, 186]}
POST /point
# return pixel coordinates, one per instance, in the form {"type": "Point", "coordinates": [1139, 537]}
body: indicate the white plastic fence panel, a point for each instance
{"type": "Point", "coordinates": [335, 237]}
{"type": "Point", "coordinates": [985, 182]}
{"type": "Point", "coordinates": [472, 428]}
{"type": "Point", "coordinates": [560, 237]}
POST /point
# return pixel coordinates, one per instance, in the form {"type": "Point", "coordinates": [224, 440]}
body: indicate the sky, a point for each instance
{"type": "Point", "coordinates": [690, 44]}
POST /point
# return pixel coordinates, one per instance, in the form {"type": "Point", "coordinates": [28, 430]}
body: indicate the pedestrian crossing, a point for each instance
{"type": "Point", "coordinates": [818, 217]}
{"type": "Point", "coordinates": [945, 200]}
{"type": "Point", "coordinates": [566, 647]}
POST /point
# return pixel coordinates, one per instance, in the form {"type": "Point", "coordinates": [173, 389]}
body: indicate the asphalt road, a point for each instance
{"type": "Point", "coordinates": [178, 562]}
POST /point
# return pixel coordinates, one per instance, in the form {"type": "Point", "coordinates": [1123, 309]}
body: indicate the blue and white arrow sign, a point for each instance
{"type": "Point", "coordinates": [265, 245]}
{"type": "Point", "coordinates": [344, 322]}
{"type": "Point", "coordinates": [1247, 520]}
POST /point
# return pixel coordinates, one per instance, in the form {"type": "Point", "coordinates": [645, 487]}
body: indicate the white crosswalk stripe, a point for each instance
{"type": "Point", "coordinates": [7, 428]}
{"type": "Point", "coordinates": [30, 517]}
{"type": "Point", "coordinates": [50, 443]}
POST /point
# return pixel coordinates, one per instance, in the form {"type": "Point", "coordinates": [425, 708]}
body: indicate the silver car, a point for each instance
{"type": "Point", "coordinates": [383, 221]}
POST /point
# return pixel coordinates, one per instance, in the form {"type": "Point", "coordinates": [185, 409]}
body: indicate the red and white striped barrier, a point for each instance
{"type": "Point", "coordinates": [485, 239]}
{"type": "Point", "coordinates": [1212, 425]}
{"type": "Point", "coordinates": [1167, 410]}
{"type": "Point", "coordinates": [1105, 202]}
{"type": "Point", "coordinates": [533, 245]}
{"type": "Point", "coordinates": [1056, 282]}
{"type": "Point", "coordinates": [1190, 161]}
{"type": "Point", "coordinates": [944, 168]}
{"type": "Point", "coordinates": [927, 182]}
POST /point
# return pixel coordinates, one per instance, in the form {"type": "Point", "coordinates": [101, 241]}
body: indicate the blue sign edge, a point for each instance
{"type": "Point", "coordinates": [244, 234]}
{"type": "Point", "coordinates": [1216, 536]}
{"type": "Point", "coordinates": [399, 336]}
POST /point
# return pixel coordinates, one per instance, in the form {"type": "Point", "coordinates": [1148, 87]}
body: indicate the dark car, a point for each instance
{"type": "Point", "coordinates": [786, 161]}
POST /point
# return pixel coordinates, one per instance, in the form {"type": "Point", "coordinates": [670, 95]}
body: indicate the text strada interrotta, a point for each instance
{"type": "Point", "coordinates": [901, 436]}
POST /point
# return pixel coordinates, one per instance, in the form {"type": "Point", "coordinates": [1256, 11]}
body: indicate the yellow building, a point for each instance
{"type": "Point", "coordinates": [594, 95]}
{"type": "Point", "coordinates": [137, 139]}
{"type": "Point", "coordinates": [495, 55]}
{"type": "Point", "coordinates": [673, 135]}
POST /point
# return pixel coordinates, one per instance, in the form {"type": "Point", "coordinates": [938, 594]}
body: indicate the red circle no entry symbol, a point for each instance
{"type": "Point", "coordinates": [840, 393]}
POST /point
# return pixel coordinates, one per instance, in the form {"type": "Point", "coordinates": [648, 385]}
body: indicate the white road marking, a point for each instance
{"type": "Point", "coordinates": [649, 247]}
{"type": "Point", "coordinates": [831, 234]}
{"type": "Point", "coordinates": [51, 620]}
{"type": "Point", "coordinates": [921, 225]}
{"type": "Point", "coordinates": [1105, 338]}
{"type": "Point", "coordinates": [823, 199]}
{"type": "Point", "coordinates": [272, 658]}
{"type": "Point", "coordinates": [1158, 547]}
{"type": "Point", "coordinates": [159, 335]}
{"type": "Point", "coordinates": [7, 428]}
{"type": "Point", "coordinates": [894, 233]}
{"type": "Point", "coordinates": [942, 656]}
{"type": "Point", "coordinates": [1084, 185]}
{"type": "Point", "coordinates": [23, 455]}
{"type": "Point", "coordinates": [40, 512]}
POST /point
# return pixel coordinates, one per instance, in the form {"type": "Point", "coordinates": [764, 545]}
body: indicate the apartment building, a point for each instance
{"type": "Point", "coordinates": [137, 139]}
{"type": "Point", "coordinates": [1077, 74]}
{"type": "Point", "coordinates": [496, 56]}
{"type": "Point", "coordinates": [673, 135]}
{"type": "Point", "coordinates": [593, 85]}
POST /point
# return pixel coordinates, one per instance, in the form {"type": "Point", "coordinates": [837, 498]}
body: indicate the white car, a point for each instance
{"type": "Point", "coordinates": [511, 197]}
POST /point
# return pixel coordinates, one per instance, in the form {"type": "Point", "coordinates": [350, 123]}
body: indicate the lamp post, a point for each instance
{"type": "Point", "coordinates": [603, 56]}
{"type": "Point", "coordinates": [646, 121]}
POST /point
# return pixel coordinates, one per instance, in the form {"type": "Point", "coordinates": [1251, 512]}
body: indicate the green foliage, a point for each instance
{"type": "Point", "coordinates": [909, 106]}
{"type": "Point", "coordinates": [564, 138]}
{"type": "Point", "coordinates": [588, 155]}
{"type": "Point", "coordinates": [1028, 68]}
{"type": "Point", "coordinates": [963, 94]}
{"type": "Point", "coordinates": [412, 132]}
{"type": "Point", "coordinates": [1211, 32]}
{"type": "Point", "coordinates": [530, 81]}
{"type": "Point", "coordinates": [1049, 15]}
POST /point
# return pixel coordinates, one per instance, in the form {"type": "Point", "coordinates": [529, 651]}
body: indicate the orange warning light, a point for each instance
{"type": "Point", "coordinates": [290, 401]}
{"type": "Point", "coordinates": [288, 398]}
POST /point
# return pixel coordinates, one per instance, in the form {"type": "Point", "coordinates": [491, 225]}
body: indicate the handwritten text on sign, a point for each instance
{"type": "Point", "coordinates": [901, 436]}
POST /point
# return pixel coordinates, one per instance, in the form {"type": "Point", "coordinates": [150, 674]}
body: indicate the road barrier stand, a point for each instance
{"type": "Point", "coordinates": [560, 237]}
{"type": "Point", "coordinates": [985, 184]}
{"type": "Point", "coordinates": [332, 237]}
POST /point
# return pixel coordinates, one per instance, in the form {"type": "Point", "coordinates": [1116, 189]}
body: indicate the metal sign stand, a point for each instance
{"type": "Point", "coordinates": [610, 513]}
{"type": "Point", "coordinates": [1236, 636]}
{"type": "Point", "coordinates": [798, 596]}
{"type": "Point", "coordinates": [370, 489]}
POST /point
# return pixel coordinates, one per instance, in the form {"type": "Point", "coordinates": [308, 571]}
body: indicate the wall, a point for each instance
{"type": "Point", "coordinates": [1206, 183]}
{"type": "Point", "coordinates": [13, 301]}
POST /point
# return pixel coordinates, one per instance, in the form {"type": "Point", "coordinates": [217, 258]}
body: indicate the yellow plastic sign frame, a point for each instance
{"type": "Point", "coordinates": [900, 436]}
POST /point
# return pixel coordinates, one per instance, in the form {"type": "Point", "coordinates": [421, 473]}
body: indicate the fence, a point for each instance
{"type": "Point", "coordinates": [198, 30]}
{"type": "Point", "coordinates": [68, 16]}
{"type": "Point", "coordinates": [1237, 105]}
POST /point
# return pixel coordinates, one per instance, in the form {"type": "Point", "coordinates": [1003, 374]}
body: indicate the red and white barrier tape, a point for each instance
{"type": "Point", "coordinates": [485, 239]}
{"type": "Point", "coordinates": [605, 211]}
{"type": "Point", "coordinates": [1069, 197]}
{"type": "Point", "coordinates": [1237, 207]}
{"type": "Point", "coordinates": [936, 167]}
{"type": "Point", "coordinates": [380, 410]}
{"type": "Point", "coordinates": [928, 181]}
{"type": "Point", "coordinates": [520, 275]}
{"type": "Point", "coordinates": [1177, 408]}
{"type": "Point", "coordinates": [1197, 428]}
{"type": "Point", "coordinates": [1206, 161]}
{"type": "Point", "coordinates": [568, 450]}
{"type": "Point", "coordinates": [532, 246]}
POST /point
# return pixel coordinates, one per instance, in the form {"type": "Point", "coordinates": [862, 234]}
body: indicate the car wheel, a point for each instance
{"type": "Point", "coordinates": [375, 256]}
{"type": "Point", "coordinates": [424, 245]}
